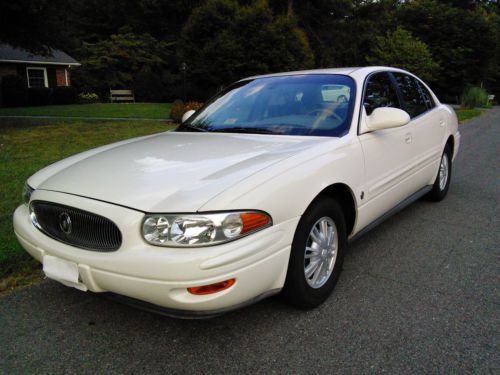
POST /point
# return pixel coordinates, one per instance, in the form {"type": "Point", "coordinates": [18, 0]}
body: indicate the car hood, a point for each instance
{"type": "Point", "coordinates": [169, 172]}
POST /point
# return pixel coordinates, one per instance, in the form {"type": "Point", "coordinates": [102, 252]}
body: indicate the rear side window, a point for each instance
{"type": "Point", "coordinates": [380, 92]}
{"type": "Point", "coordinates": [427, 96]}
{"type": "Point", "coordinates": [413, 100]}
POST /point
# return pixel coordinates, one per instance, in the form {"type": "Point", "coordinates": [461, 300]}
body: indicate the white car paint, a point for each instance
{"type": "Point", "coordinates": [176, 172]}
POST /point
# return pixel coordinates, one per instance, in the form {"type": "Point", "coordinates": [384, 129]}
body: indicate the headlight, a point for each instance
{"type": "Point", "coordinates": [27, 190]}
{"type": "Point", "coordinates": [201, 229]}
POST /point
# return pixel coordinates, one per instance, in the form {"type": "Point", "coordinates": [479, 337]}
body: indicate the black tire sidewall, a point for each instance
{"type": "Point", "coordinates": [436, 193]}
{"type": "Point", "coordinates": [297, 290]}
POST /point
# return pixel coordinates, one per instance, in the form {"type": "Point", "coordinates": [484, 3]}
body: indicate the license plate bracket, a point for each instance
{"type": "Point", "coordinates": [62, 270]}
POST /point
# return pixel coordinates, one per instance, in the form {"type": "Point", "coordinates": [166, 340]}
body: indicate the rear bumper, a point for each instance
{"type": "Point", "coordinates": [160, 276]}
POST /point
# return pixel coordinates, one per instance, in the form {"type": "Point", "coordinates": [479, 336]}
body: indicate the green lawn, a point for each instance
{"type": "Point", "coordinates": [28, 145]}
{"type": "Point", "coordinates": [109, 110]}
{"type": "Point", "coordinates": [466, 114]}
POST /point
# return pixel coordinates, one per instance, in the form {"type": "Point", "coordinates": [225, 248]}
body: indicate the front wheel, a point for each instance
{"type": "Point", "coordinates": [317, 254]}
{"type": "Point", "coordinates": [442, 182]}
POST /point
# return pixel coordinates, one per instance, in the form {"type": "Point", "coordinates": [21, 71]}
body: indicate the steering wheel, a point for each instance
{"type": "Point", "coordinates": [327, 112]}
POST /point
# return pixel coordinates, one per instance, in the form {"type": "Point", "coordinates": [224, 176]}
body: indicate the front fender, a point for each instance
{"type": "Point", "coordinates": [286, 189]}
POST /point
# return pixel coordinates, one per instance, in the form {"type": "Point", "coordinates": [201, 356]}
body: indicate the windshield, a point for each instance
{"type": "Point", "coordinates": [313, 104]}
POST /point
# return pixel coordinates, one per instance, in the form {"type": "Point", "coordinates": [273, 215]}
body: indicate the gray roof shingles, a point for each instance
{"type": "Point", "coordinates": [14, 54]}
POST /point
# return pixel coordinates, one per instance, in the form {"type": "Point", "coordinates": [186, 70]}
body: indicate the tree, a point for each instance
{"type": "Point", "coordinates": [340, 31]}
{"type": "Point", "coordinates": [34, 25]}
{"type": "Point", "coordinates": [463, 41]}
{"type": "Point", "coordinates": [400, 49]}
{"type": "Point", "coordinates": [223, 41]}
{"type": "Point", "coordinates": [117, 61]}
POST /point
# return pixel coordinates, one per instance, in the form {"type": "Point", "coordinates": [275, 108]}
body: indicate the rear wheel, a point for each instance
{"type": "Point", "coordinates": [442, 182]}
{"type": "Point", "coordinates": [317, 254]}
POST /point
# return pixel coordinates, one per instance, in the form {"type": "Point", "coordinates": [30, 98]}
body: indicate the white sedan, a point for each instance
{"type": "Point", "coordinates": [257, 192]}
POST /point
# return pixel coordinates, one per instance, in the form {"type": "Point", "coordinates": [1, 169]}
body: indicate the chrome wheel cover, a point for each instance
{"type": "Point", "coordinates": [443, 171]}
{"type": "Point", "coordinates": [320, 252]}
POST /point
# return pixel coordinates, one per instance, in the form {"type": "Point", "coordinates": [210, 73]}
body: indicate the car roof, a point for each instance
{"type": "Point", "coordinates": [350, 71]}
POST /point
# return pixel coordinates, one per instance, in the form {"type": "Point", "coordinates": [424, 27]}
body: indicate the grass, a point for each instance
{"type": "Point", "coordinates": [27, 145]}
{"type": "Point", "coordinates": [466, 114]}
{"type": "Point", "coordinates": [108, 110]}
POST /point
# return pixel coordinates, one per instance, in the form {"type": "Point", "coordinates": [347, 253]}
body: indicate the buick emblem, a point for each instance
{"type": "Point", "coordinates": [65, 223]}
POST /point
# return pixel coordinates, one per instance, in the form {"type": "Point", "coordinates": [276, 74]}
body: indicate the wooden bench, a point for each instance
{"type": "Point", "coordinates": [121, 96]}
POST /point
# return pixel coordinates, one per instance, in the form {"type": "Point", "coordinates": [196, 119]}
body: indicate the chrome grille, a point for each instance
{"type": "Point", "coordinates": [76, 227]}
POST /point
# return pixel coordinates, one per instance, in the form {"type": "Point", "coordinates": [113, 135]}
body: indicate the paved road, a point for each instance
{"type": "Point", "coordinates": [418, 294]}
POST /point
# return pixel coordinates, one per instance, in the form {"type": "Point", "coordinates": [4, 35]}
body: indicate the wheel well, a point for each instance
{"type": "Point", "coordinates": [344, 196]}
{"type": "Point", "coordinates": [451, 142]}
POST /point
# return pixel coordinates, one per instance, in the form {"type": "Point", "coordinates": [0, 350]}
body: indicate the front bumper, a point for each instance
{"type": "Point", "coordinates": [159, 275]}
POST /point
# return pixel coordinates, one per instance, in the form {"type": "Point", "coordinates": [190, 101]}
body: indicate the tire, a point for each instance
{"type": "Point", "coordinates": [440, 188]}
{"type": "Point", "coordinates": [308, 292]}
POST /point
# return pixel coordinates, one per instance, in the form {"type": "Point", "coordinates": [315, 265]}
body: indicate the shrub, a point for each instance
{"type": "Point", "coordinates": [177, 110]}
{"type": "Point", "coordinates": [13, 90]}
{"type": "Point", "coordinates": [64, 95]}
{"type": "Point", "coordinates": [39, 96]}
{"type": "Point", "coordinates": [473, 97]}
{"type": "Point", "coordinates": [192, 106]}
{"type": "Point", "coordinates": [88, 98]}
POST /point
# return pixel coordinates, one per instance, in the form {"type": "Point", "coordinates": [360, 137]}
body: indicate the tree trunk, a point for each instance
{"type": "Point", "coordinates": [289, 11]}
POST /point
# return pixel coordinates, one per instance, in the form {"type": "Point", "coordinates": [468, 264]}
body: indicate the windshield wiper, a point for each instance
{"type": "Point", "coordinates": [244, 130]}
{"type": "Point", "coordinates": [188, 127]}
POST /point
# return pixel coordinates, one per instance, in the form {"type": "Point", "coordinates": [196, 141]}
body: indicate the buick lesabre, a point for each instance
{"type": "Point", "coordinates": [258, 192]}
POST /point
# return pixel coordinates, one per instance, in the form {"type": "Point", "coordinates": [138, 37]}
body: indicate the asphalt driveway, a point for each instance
{"type": "Point", "coordinates": [419, 294]}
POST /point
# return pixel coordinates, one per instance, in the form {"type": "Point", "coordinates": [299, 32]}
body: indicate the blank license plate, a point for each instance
{"type": "Point", "coordinates": [60, 269]}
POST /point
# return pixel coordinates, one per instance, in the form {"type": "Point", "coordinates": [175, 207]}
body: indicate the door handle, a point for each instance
{"type": "Point", "coordinates": [441, 122]}
{"type": "Point", "coordinates": [408, 137]}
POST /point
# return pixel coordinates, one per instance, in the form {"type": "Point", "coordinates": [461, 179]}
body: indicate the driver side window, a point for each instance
{"type": "Point", "coordinates": [380, 92]}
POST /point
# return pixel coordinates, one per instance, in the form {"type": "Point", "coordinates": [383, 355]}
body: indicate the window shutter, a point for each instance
{"type": "Point", "coordinates": [61, 77]}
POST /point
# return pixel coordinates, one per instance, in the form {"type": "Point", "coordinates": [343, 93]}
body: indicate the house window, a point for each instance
{"type": "Point", "coordinates": [37, 77]}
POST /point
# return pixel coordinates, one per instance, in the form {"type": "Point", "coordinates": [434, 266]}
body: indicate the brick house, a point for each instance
{"type": "Point", "coordinates": [38, 70]}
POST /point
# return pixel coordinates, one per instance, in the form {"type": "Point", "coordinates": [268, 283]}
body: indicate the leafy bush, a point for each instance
{"type": "Point", "coordinates": [64, 95]}
{"type": "Point", "coordinates": [13, 91]}
{"type": "Point", "coordinates": [192, 106]}
{"type": "Point", "coordinates": [473, 97]}
{"type": "Point", "coordinates": [179, 108]}
{"type": "Point", "coordinates": [39, 96]}
{"type": "Point", "coordinates": [88, 98]}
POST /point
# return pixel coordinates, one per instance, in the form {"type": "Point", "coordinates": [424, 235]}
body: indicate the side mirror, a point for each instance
{"type": "Point", "coordinates": [187, 115]}
{"type": "Point", "coordinates": [386, 118]}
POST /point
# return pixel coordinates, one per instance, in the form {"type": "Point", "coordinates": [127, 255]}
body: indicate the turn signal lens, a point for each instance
{"type": "Point", "coordinates": [212, 288]}
{"type": "Point", "coordinates": [253, 221]}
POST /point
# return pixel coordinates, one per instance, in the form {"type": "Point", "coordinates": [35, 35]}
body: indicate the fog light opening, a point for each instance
{"type": "Point", "coordinates": [212, 288]}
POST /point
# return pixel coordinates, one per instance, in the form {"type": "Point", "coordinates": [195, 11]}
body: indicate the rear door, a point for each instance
{"type": "Point", "coordinates": [428, 127]}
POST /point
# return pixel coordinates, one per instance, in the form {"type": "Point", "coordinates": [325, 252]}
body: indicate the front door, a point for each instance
{"type": "Point", "coordinates": [387, 153]}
